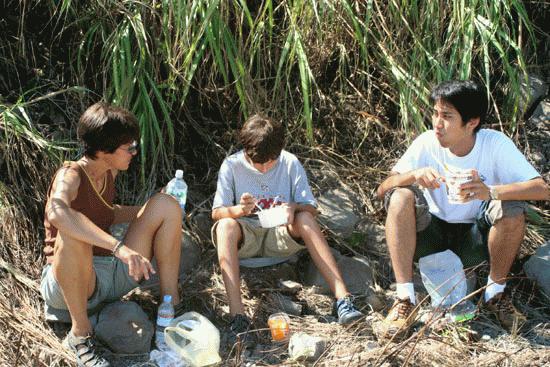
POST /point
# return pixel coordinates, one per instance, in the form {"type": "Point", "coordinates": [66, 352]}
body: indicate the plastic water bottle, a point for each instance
{"type": "Point", "coordinates": [178, 189]}
{"type": "Point", "coordinates": [165, 315]}
{"type": "Point", "coordinates": [464, 311]}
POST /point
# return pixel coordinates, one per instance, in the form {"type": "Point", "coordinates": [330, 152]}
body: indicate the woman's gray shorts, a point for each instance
{"type": "Point", "coordinates": [112, 282]}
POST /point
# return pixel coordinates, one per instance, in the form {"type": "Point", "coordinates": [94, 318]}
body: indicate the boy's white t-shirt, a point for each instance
{"type": "Point", "coordinates": [494, 156]}
{"type": "Point", "coordinates": [286, 182]}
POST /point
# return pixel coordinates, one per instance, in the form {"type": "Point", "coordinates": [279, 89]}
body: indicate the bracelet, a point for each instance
{"type": "Point", "coordinates": [117, 247]}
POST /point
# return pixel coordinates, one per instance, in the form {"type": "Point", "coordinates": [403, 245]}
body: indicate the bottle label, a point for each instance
{"type": "Point", "coordinates": [164, 321]}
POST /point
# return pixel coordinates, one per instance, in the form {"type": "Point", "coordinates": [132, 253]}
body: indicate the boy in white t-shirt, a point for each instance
{"type": "Point", "coordinates": [489, 221]}
{"type": "Point", "coordinates": [264, 175]}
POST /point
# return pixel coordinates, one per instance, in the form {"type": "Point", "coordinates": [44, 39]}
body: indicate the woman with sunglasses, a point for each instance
{"type": "Point", "coordinates": [85, 265]}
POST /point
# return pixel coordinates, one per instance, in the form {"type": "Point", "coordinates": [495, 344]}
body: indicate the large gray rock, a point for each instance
{"type": "Point", "coordinates": [125, 328]}
{"type": "Point", "coordinates": [541, 115]}
{"type": "Point", "coordinates": [190, 255]}
{"type": "Point", "coordinates": [531, 90]}
{"type": "Point", "coordinates": [538, 267]}
{"type": "Point", "coordinates": [202, 224]}
{"type": "Point", "coordinates": [356, 271]}
{"type": "Point", "coordinates": [371, 237]}
{"type": "Point", "coordinates": [338, 211]}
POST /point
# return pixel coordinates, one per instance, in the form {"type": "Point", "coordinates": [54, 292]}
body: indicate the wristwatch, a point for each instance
{"type": "Point", "coordinates": [493, 193]}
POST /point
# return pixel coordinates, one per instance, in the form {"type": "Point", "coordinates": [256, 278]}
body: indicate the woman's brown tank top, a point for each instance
{"type": "Point", "coordinates": [97, 206]}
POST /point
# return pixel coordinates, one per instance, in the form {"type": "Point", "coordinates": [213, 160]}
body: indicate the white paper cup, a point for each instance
{"type": "Point", "coordinates": [453, 180]}
{"type": "Point", "coordinates": [273, 217]}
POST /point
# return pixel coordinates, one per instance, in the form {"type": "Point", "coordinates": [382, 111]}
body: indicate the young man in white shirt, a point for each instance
{"type": "Point", "coordinates": [487, 224]}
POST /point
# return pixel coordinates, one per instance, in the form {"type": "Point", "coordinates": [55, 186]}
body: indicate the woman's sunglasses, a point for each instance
{"type": "Point", "coordinates": [133, 148]}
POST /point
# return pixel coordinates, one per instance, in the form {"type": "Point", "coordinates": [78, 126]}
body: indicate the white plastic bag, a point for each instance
{"type": "Point", "coordinates": [167, 358]}
{"type": "Point", "coordinates": [443, 277]}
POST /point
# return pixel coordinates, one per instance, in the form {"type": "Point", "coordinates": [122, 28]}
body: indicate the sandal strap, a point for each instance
{"type": "Point", "coordinates": [85, 350]}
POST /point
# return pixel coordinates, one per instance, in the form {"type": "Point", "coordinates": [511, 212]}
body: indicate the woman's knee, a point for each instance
{"type": "Point", "coordinates": [164, 205]}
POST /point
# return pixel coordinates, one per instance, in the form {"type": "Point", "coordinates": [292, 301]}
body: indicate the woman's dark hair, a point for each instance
{"type": "Point", "coordinates": [468, 97]}
{"type": "Point", "coordinates": [103, 127]}
{"type": "Point", "coordinates": [262, 138]}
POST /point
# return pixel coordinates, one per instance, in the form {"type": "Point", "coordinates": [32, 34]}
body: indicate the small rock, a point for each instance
{"type": "Point", "coordinates": [327, 319]}
{"type": "Point", "coordinates": [290, 286]}
{"type": "Point", "coordinates": [287, 305]}
{"type": "Point", "coordinates": [371, 345]}
{"type": "Point", "coordinates": [538, 267]}
{"type": "Point", "coordinates": [306, 347]}
{"type": "Point", "coordinates": [125, 328]}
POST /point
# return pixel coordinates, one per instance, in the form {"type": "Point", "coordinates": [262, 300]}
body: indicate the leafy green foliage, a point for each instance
{"type": "Point", "coordinates": [177, 63]}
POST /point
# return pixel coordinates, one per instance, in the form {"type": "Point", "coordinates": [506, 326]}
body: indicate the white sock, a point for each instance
{"type": "Point", "coordinates": [406, 290]}
{"type": "Point", "coordinates": [493, 288]}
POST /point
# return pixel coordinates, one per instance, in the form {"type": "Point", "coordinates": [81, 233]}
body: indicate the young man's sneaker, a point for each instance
{"type": "Point", "coordinates": [85, 351]}
{"type": "Point", "coordinates": [239, 330]}
{"type": "Point", "coordinates": [400, 318]}
{"type": "Point", "coordinates": [502, 307]}
{"type": "Point", "coordinates": [346, 311]}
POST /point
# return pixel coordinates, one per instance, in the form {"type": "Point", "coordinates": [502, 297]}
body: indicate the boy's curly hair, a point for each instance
{"type": "Point", "coordinates": [262, 138]}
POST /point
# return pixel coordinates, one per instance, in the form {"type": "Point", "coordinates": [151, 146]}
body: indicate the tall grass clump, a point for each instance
{"type": "Point", "coordinates": [27, 160]}
{"type": "Point", "coordinates": [193, 70]}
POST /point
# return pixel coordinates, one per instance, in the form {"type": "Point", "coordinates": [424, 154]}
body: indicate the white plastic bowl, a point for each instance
{"type": "Point", "coordinates": [273, 217]}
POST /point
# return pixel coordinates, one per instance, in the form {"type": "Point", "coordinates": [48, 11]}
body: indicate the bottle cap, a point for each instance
{"type": "Point", "coordinates": [167, 298]}
{"type": "Point", "coordinates": [179, 173]}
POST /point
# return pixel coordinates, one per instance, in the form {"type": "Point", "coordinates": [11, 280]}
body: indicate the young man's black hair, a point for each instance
{"type": "Point", "coordinates": [468, 97]}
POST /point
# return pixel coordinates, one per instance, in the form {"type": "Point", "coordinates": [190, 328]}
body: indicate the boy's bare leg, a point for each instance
{"type": "Point", "coordinates": [401, 233]}
{"type": "Point", "coordinates": [157, 231]}
{"type": "Point", "coordinates": [504, 241]}
{"type": "Point", "coordinates": [305, 226]}
{"type": "Point", "coordinates": [73, 269]}
{"type": "Point", "coordinates": [228, 236]}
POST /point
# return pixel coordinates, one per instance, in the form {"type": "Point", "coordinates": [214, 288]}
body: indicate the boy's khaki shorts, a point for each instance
{"type": "Point", "coordinates": [263, 242]}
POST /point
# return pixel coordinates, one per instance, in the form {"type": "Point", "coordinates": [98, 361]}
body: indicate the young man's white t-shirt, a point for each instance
{"type": "Point", "coordinates": [494, 156]}
{"type": "Point", "coordinates": [285, 182]}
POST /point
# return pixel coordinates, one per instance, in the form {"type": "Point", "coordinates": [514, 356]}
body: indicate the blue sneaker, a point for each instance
{"type": "Point", "coordinates": [346, 311]}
